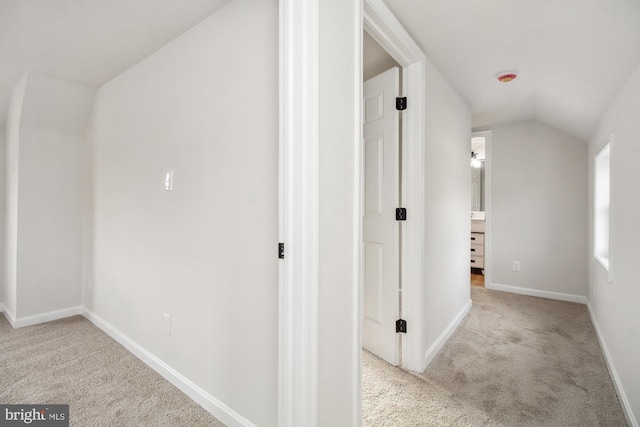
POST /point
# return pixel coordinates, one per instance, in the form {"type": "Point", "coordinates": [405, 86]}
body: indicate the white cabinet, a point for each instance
{"type": "Point", "coordinates": [477, 250]}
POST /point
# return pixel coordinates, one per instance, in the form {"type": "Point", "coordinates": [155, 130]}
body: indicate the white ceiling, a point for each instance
{"type": "Point", "coordinates": [87, 41]}
{"type": "Point", "coordinates": [572, 56]}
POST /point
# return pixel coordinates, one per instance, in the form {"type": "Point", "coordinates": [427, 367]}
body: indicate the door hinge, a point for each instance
{"type": "Point", "coordinates": [401, 103]}
{"type": "Point", "coordinates": [281, 250]}
{"type": "Point", "coordinates": [401, 326]}
{"type": "Point", "coordinates": [401, 214]}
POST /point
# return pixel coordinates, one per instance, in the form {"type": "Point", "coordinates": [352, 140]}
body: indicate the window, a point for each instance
{"type": "Point", "coordinates": [601, 250]}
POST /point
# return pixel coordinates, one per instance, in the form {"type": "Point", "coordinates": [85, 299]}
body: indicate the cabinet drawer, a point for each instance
{"type": "Point", "coordinates": [477, 262]}
{"type": "Point", "coordinates": [477, 250]}
{"type": "Point", "coordinates": [477, 226]}
{"type": "Point", "coordinates": [477, 238]}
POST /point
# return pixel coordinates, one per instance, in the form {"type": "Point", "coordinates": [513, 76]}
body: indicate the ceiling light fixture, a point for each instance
{"type": "Point", "coordinates": [506, 76]}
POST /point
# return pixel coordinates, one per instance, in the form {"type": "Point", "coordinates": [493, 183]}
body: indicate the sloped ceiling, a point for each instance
{"type": "Point", "coordinates": [572, 56]}
{"type": "Point", "coordinates": [87, 41]}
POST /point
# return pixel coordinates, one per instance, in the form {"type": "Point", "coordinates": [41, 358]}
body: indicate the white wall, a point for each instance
{"type": "Point", "coordinates": [2, 209]}
{"type": "Point", "coordinates": [340, 29]}
{"type": "Point", "coordinates": [45, 196]}
{"type": "Point", "coordinates": [56, 105]}
{"type": "Point", "coordinates": [447, 206]}
{"type": "Point", "coordinates": [539, 210]}
{"type": "Point", "coordinates": [614, 306]}
{"type": "Point", "coordinates": [375, 60]}
{"type": "Point", "coordinates": [206, 107]}
{"type": "Point", "coordinates": [11, 198]}
{"type": "Point", "coordinates": [50, 216]}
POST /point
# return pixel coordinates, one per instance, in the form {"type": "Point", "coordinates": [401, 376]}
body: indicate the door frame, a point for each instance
{"type": "Point", "coordinates": [487, 204]}
{"type": "Point", "coordinates": [299, 195]}
{"type": "Point", "coordinates": [385, 29]}
{"type": "Point", "coordinates": [298, 213]}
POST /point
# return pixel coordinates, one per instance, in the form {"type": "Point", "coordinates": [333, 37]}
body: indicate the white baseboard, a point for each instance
{"type": "Point", "coordinates": [218, 409]}
{"type": "Point", "coordinates": [537, 293]}
{"type": "Point", "coordinates": [40, 318]}
{"type": "Point", "coordinates": [624, 401]}
{"type": "Point", "coordinates": [431, 353]}
{"type": "Point", "coordinates": [8, 314]}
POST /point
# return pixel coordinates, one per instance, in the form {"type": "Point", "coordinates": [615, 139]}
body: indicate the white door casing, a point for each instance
{"type": "Point", "coordinates": [381, 262]}
{"type": "Point", "coordinates": [385, 29]}
{"type": "Point", "coordinates": [298, 348]}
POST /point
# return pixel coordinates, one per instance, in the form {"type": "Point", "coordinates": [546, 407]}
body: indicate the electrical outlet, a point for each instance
{"type": "Point", "coordinates": [516, 266]}
{"type": "Point", "coordinates": [167, 323]}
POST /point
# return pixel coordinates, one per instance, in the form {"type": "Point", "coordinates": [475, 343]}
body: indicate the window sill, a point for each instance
{"type": "Point", "coordinates": [604, 267]}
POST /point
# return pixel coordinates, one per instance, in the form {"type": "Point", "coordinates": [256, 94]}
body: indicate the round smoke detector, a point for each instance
{"type": "Point", "coordinates": [506, 77]}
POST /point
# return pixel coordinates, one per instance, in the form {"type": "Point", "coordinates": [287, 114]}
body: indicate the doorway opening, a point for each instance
{"type": "Point", "coordinates": [480, 203]}
{"type": "Point", "coordinates": [380, 24]}
{"type": "Point", "coordinates": [380, 155]}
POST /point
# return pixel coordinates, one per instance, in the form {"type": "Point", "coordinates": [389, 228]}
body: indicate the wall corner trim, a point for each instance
{"type": "Point", "coordinates": [617, 383]}
{"type": "Point", "coordinates": [432, 352]}
{"type": "Point", "coordinates": [299, 213]}
{"type": "Point", "coordinates": [11, 318]}
{"type": "Point", "coordinates": [218, 409]}
{"type": "Point", "coordinates": [580, 299]}
{"type": "Point", "coordinates": [40, 318]}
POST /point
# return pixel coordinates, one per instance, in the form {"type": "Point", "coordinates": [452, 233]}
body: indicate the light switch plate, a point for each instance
{"type": "Point", "coordinates": [168, 181]}
{"type": "Point", "coordinates": [167, 323]}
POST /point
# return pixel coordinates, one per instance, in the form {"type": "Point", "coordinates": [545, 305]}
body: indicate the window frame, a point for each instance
{"type": "Point", "coordinates": [602, 253]}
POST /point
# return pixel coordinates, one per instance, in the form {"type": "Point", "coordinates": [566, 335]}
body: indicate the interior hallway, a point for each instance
{"type": "Point", "coordinates": [515, 360]}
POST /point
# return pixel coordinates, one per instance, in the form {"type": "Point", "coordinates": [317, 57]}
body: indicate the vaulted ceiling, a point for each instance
{"type": "Point", "coordinates": [87, 41]}
{"type": "Point", "coordinates": [571, 56]}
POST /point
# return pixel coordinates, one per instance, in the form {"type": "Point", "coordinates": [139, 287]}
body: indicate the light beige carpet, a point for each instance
{"type": "Point", "coordinates": [71, 361]}
{"type": "Point", "coordinates": [514, 361]}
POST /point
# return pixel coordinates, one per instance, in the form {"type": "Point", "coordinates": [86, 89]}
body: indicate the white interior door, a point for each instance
{"type": "Point", "coordinates": [381, 263]}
